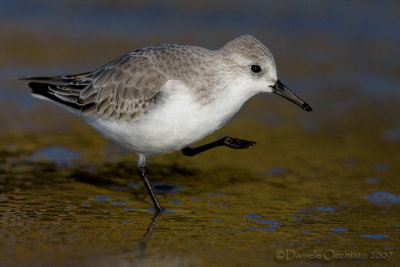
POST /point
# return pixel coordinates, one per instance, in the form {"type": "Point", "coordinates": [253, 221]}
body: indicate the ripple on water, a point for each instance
{"type": "Point", "coordinates": [130, 209]}
{"type": "Point", "coordinates": [383, 198]}
{"type": "Point", "coordinates": [340, 229]}
{"type": "Point", "coordinates": [252, 216]}
{"type": "Point", "coordinates": [372, 180]}
{"type": "Point", "coordinates": [85, 204]}
{"type": "Point", "coordinates": [120, 202]}
{"type": "Point", "coordinates": [381, 167]}
{"type": "Point", "coordinates": [326, 209]}
{"type": "Point", "coordinates": [56, 154]}
{"type": "Point", "coordinates": [175, 202]}
{"type": "Point", "coordinates": [166, 188]}
{"type": "Point", "coordinates": [375, 236]}
{"type": "Point", "coordinates": [164, 210]}
{"type": "Point", "coordinates": [101, 198]}
{"type": "Point", "coordinates": [392, 134]}
{"type": "Point", "coordinates": [273, 224]}
{"type": "Point", "coordinates": [277, 171]}
{"type": "Point", "coordinates": [295, 218]}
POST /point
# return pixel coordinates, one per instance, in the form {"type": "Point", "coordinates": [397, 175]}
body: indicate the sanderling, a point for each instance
{"type": "Point", "coordinates": [164, 98]}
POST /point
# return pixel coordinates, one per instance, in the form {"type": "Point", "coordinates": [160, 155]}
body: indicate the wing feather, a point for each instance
{"type": "Point", "coordinates": [127, 86]}
{"type": "Point", "coordinates": [122, 89]}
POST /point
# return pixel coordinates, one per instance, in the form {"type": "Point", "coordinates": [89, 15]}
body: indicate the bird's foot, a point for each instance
{"type": "Point", "coordinates": [237, 143]}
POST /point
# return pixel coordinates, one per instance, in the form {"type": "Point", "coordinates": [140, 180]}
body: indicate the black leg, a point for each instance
{"type": "Point", "coordinates": [231, 142]}
{"type": "Point", "coordinates": [145, 178]}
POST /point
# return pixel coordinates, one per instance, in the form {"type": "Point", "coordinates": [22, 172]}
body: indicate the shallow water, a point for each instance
{"type": "Point", "coordinates": [318, 188]}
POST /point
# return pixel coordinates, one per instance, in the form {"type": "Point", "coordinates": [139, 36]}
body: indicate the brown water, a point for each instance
{"type": "Point", "coordinates": [318, 188]}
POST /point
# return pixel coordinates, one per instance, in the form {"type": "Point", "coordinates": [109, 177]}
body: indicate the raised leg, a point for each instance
{"type": "Point", "coordinates": [145, 178]}
{"type": "Point", "coordinates": [227, 141]}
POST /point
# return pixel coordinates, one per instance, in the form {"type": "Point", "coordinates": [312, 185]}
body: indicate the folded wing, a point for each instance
{"type": "Point", "coordinates": [122, 89]}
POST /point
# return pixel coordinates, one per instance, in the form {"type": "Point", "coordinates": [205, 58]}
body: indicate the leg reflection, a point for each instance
{"type": "Point", "coordinates": [142, 243]}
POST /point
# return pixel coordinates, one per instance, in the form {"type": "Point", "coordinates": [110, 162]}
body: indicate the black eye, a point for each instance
{"type": "Point", "coordinates": [255, 68]}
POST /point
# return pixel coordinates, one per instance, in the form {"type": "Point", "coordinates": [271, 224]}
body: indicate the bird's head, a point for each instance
{"type": "Point", "coordinates": [253, 64]}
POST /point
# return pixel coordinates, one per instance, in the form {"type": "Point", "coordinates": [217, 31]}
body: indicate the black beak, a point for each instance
{"type": "Point", "coordinates": [280, 89]}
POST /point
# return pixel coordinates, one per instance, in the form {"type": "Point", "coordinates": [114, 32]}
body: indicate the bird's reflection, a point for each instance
{"type": "Point", "coordinates": [142, 242]}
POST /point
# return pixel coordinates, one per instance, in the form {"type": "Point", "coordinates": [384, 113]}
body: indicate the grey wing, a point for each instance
{"type": "Point", "coordinates": [123, 89]}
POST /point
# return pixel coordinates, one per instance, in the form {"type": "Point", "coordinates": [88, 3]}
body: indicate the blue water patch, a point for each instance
{"type": "Point", "coordinates": [85, 204]}
{"type": "Point", "coordinates": [309, 125]}
{"type": "Point", "coordinates": [223, 205]}
{"type": "Point", "coordinates": [261, 229]}
{"type": "Point", "coordinates": [383, 198]}
{"type": "Point", "coordinates": [252, 216]}
{"type": "Point", "coordinates": [101, 198]}
{"type": "Point", "coordinates": [17, 97]}
{"type": "Point", "coordinates": [268, 229]}
{"type": "Point", "coordinates": [375, 236]}
{"type": "Point", "coordinates": [306, 231]}
{"type": "Point", "coordinates": [166, 188]}
{"type": "Point", "coordinates": [277, 171]}
{"type": "Point", "coordinates": [392, 134]}
{"type": "Point", "coordinates": [307, 215]}
{"type": "Point", "coordinates": [387, 248]}
{"type": "Point", "coordinates": [351, 162]}
{"type": "Point", "coordinates": [130, 209]}
{"type": "Point", "coordinates": [295, 218]}
{"type": "Point", "coordinates": [175, 202]}
{"type": "Point", "coordinates": [326, 209]}
{"type": "Point", "coordinates": [117, 188]}
{"type": "Point", "coordinates": [273, 224]}
{"type": "Point", "coordinates": [120, 202]}
{"type": "Point", "coordinates": [134, 185]}
{"type": "Point", "coordinates": [372, 180]}
{"type": "Point", "coordinates": [215, 194]}
{"type": "Point", "coordinates": [56, 154]}
{"type": "Point", "coordinates": [340, 229]}
{"type": "Point", "coordinates": [381, 167]}
{"type": "Point", "coordinates": [164, 210]}
{"type": "Point", "coordinates": [125, 222]}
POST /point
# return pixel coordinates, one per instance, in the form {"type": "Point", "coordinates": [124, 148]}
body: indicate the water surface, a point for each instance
{"type": "Point", "coordinates": [322, 183]}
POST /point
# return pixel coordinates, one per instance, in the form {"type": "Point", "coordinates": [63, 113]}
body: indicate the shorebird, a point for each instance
{"type": "Point", "coordinates": [164, 98]}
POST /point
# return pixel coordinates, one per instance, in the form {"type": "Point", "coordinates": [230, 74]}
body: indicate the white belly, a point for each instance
{"type": "Point", "coordinates": [174, 124]}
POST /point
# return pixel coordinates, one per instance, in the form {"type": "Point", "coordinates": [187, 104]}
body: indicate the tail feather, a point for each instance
{"type": "Point", "coordinates": [61, 89]}
{"type": "Point", "coordinates": [81, 78]}
{"type": "Point", "coordinates": [43, 90]}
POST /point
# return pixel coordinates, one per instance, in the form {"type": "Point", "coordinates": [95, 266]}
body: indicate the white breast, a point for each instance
{"type": "Point", "coordinates": [175, 123]}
